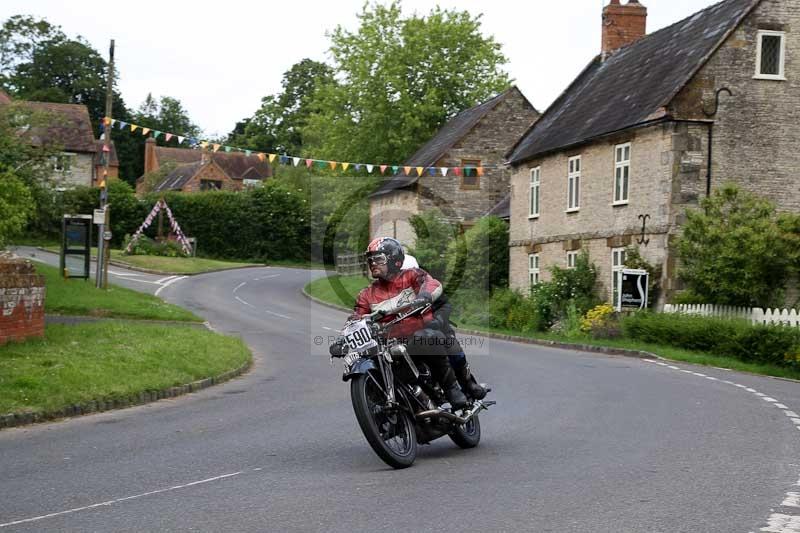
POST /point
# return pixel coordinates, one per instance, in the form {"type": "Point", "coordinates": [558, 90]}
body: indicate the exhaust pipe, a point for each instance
{"type": "Point", "coordinates": [451, 417]}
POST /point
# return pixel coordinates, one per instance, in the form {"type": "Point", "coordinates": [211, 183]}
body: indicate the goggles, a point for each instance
{"type": "Point", "coordinates": [377, 259]}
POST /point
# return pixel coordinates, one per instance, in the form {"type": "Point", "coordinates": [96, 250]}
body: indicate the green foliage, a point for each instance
{"type": "Point", "coordinates": [733, 338]}
{"type": "Point", "coordinates": [734, 251]}
{"type": "Point", "coordinates": [400, 78]}
{"type": "Point", "coordinates": [16, 205]}
{"type": "Point", "coordinates": [482, 255]}
{"type": "Point", "coordinates": [433, 237]}
{"type": "Point", "coordinates": [277, 125]}
{"type": "Point", "coordinates": [504, 308]}
{"type": "Point", "coordinates": [577, 285]}
{"type": "Point", "coordinates": [147, 246]}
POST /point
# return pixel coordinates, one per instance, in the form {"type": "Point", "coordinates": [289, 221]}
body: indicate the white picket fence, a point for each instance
{"type": "Point", "coordinates": [756, 315]}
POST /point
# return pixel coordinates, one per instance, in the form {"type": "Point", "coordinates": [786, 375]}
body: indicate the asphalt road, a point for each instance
{"type": "Point", "coordinates": [577, 443]}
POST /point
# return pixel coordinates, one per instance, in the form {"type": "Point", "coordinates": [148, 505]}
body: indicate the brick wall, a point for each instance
{"type": "Point", "coordinates": [22, 295]}
{"type": "Point", "coordinates": [212, 171]}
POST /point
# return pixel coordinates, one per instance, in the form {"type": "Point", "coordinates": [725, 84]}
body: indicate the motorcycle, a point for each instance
{"type": "Point", "coordinates": [396, 402]}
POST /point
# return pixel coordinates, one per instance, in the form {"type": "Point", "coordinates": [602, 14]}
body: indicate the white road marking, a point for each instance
{"type": "Point", "coordinates": [162, 280]}
{"type": "Point", "coordinates": [782, 523]}
{"type": "Point", "coordinates": [712, 378]}
{"type": "Point", "coordinates": [245, 303]}
{"type": "Point", "coordinates": [750, 390]}
{"type": "Point", "coordinates": [170, 282]}
{"type": "Point", "coordinates": [118, 500]}
{"type": "Point", "coordinates": [791, 414]}
{"type": "Point", "coordinates": [239, 286]}
{"type": "Point", "coordinates": [792, 500]}
{"type": "Point", "coordinates": [278, 314]}
{"type": "Point", "coordinates": [780, 406]}
{"type": "Point", "coordinates": [768, 399]}
{"type": "Point", "coordinates": [795, 420]}
{"type": "Point", "coordinates": [267, 277]}
{"type": "Point", "coordinates": [328, 329]}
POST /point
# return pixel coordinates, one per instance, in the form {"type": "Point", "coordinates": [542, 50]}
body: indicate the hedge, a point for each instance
{"type": "Point", "coordinates": [774, 344]}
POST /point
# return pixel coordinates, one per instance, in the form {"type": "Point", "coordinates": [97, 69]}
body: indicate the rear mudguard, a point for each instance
{"type": "Point", "coordinates": [362, 366]}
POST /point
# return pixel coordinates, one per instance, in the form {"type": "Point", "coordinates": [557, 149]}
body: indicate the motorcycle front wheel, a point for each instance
{"type": "Point", "coordinates": [390, 433]}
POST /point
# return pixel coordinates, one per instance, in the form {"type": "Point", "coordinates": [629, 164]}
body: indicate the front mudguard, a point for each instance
{"type": "Point", "coordinates": [362, 366]}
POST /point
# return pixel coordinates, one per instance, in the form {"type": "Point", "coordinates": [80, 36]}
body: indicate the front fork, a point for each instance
{"type": "Point", "coordinates": [388, 379]}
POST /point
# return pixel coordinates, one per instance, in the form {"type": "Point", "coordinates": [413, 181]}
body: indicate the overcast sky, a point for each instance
{"type": "Point", "coordinates": [219, 59]}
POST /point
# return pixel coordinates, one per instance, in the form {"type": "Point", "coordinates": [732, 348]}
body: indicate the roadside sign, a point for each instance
{"type": "Point", "coordinates": [632, 292]}
{"type": "Point", "coordinates": [99, 216]}
{"type": "Point", "coordinates": [106, 235]}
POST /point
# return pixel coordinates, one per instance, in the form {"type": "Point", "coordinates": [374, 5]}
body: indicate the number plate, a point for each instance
{"type": "Point", "coordinates": [349, 360]}
{"type": "Point", "coordinates": [358, 336]}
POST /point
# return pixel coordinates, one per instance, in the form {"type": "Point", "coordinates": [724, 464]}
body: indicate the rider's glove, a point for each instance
{"type": "Point", "coordinates": [338, 348]}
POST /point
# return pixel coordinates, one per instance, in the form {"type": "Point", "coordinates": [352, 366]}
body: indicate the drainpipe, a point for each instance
{"type": "Point", "coordinates": [711, 135]}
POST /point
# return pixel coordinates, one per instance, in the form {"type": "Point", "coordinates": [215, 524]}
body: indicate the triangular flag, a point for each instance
{"type": "Point", "coordinates": [167, 137]}
{"type": "Point", "coordinates": [284, 160]}
{"type": "Point", "coordinates": [395, 168]}
{"type": "Point", "coordinates": [180, 139]}
{"type": "Point", "coordinates": [247, 152]}
{"type": "Point", "coordinates": [444, 171]}
{"type": "Point", "coordinates": [113, 121]}
{"type": "Point", "coordinates": [102, 136]}
{"type": "Point", "coordinates": [122, 124]}
{"type": "Point", "coordinates": [320, 163]}
{"type": "Point", "coordinates": [309, 162]}
{"type": "Point", "coordinates": [383, 168]}
{"type": "Point", "coordinates": [228, 149]}
{"type": "Point", "coordinates": [358, 167]}
{"type": "Point", "coordinates": [432, 171]}
{"type": "Point", "coordinates": [216, 147]}
{"type": "Point", "coordinates": [333, 164]}
{"type": "Point", "coordinates": [261, 157]}
{"type": "Point", "coordinates": [107, 121]}
{"type": "Point", "coordinates": [156, 134]}
{"type": "Point", "coordinates": [272, 157]}
{"type": "Point", "coordinates": [145, 131]}
{"type": "Point", "coordinates": [369, 168]}
{"type": "Point", "coordinates": [407, 170]}
{"type": "Point", "coordinates": [345, 165]}
{"type": "Point", "coordinates": [204, 145]}
{"type": "Point", "coordinates": [480, 171]}
{"type": "Point", "coordinates": [295, 160]}
{"type": "Point", "coordinates": [457, 171]}
{"type": "Point", "coordinates": [420, 170]}
{"type": "Point", "coordinates": [133, 127]}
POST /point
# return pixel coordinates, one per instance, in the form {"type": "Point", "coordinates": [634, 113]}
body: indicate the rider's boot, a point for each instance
{"type": "Point", "coordinates": [443, 373]}
{"type": "Point", "coordinates": [469, 384]}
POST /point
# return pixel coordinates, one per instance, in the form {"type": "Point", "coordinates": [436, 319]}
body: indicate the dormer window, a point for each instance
{"type": "Point", "coordinates": [770, 55]}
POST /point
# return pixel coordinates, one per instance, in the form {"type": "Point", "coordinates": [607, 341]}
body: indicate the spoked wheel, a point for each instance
{"type": "Point", "coordinates": [390, 432]}
{"type": "Point", "coordinates": [468, 435]}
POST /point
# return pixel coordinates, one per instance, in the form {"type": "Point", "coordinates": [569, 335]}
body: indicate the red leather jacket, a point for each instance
{"type": "Point", "coordinates": [403, 289]}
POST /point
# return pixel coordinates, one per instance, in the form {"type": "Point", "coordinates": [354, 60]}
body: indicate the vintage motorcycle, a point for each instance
{"type": "Point", "coordinates": [397, 403]}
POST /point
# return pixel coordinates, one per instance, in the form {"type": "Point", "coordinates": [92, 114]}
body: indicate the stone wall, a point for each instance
{"type": "Point", "coordinates": [389, 214]}
{"type": "Point", "coordinates": [22, 295]}
{"type": "Point", "coordinates": [756, 128]}
{"type": "Point", "coordinates": [488, 142]}
{"type": "Point", "coordinates": [80, 172]}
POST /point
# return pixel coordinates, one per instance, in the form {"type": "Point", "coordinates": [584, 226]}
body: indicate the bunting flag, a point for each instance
{"type": "Point", "coordinates": [173, 224]}
{"type": "Point", "coordinates": [285, 159]}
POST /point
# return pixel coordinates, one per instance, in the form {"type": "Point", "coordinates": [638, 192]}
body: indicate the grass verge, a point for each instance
{"type": "Point", "coordinates": [174, 265]}
{"type": "Point", "coordinates": [109, 360]}
{"type": "Point", "coordinates": [79, 297]}
{"type": "Point", "coordinates": [323, 289]}
{"type": "Point", "coordinates": [329, 289]}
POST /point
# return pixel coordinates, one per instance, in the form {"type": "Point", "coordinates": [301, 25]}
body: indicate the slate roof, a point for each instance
{"type": "Point", "coordinates": [236, 166]}
{"type": "Point", "coordinates": [453, 131]}
{"type": "Point", "coordinates": [67, 126]}
{"type": "Point", "coordinates": [502, 209]}
{"type": "Point", "coordinates": [166, 154]}
{"type": "Point", "coordinates": [634, 85]}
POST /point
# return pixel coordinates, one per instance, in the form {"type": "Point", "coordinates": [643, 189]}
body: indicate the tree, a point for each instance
{"type": "Point", "coordinates": [167, 115]}
{"type": "Point", "coordinates": [736, 250]}
{"type": "Point", "coordinates": [16, 205]}
{"type": "Point", "coordinates": [20, 35]}
{"type": "Point", "coordinates": [400, 80]}
{"type": "Point", "coordinates": [277, 125]}
{"type": "Point", "coordinates": [482, 255]}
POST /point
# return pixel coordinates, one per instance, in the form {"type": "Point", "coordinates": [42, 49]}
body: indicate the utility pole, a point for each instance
{"type": "Point", "coordinates": [104, 235]}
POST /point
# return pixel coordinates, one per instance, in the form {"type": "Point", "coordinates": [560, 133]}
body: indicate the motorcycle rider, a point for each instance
{"type": "Point", "coordinates": [394, 287]}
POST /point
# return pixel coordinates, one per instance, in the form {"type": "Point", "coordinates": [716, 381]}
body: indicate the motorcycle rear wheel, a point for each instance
{"type": "Point", "coordinates": [468, 435]}
{"type": "Point", "coordinates": [390, 434]}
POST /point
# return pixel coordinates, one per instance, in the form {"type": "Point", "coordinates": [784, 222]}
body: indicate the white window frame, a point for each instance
{"type": "Point", "coordinates": [572, 258]}
{"type": "Point", "coordinates": [64, 162]}
{"type": "Point", "coordinates": [533, 269]}
{"type": "Point", "coordinates": [781, 63]}
{"type": "Point", "coordinates": [534, 196]}
{"type": "Point", "coordinates": [622, 174]}
{"type": "Point", "coordinates": [617, 264]}
{"type": "Point", "coordinates": [573, 184]}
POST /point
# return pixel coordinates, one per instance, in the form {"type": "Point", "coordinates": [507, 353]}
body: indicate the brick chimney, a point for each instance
{"type": "Point", "coordinates": [622, 25]}
{"type": "Point", "coordinates": [150, 161]}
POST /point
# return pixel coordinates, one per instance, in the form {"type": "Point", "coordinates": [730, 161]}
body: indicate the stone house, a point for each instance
{"type": "Point", "coordinates": [67, 129]}
{"type": "Point", "coordinates": [648, 128]}
{"type": "Point", "coordinates": [476, 139]}
{"type": "Point", "coordinates": [199, 170]}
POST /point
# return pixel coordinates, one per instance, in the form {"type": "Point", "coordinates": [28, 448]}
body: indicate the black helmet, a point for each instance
{"type": "Point", "coordinates": [385, 250]}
